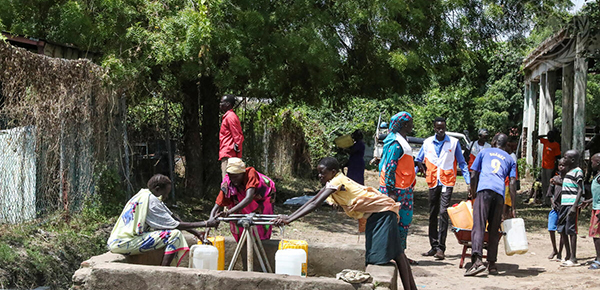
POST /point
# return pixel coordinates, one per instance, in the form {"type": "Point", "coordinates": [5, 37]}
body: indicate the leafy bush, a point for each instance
{"type": "Point", "coordinates": [110, 196]}
{"type": "Point", "coordinates": [523, 168]}
{"type": "Point", "coordinates": [49, 251]}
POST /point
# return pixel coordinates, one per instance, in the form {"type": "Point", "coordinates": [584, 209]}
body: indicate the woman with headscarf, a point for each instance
{"type": "Point", "coordinates": [397, 175]}
{"type": "Point", "coordinates": [245, 190]}
{"type": "Point", "coordinates": [147, 224]}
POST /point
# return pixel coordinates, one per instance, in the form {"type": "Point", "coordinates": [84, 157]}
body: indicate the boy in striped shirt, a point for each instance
{"type": "Point", "coordinates": [570, 196]}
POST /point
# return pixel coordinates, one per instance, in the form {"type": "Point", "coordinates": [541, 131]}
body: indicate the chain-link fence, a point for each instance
{"type": "Point", "coordinates": [59, 121]}
{"type": "Point", "coordinates": [18, 174]}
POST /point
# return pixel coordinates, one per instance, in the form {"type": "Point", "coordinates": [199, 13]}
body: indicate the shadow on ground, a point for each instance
{"type": "Point", "coordinates": [326, 219]}
{"type": "Point", "coordinates": [515, 271]}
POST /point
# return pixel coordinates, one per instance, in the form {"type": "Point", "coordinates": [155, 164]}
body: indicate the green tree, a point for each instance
{"type": "Point", "coordinates": [500, 107]}
{"type": "Point", "coordinates": [191, 52]}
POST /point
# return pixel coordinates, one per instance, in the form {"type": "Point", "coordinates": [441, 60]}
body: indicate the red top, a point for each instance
{"type": "Point", "coordinates": [551, 150]}
{"type": "Point", "coordinates": [251, 180]}
{"type": "Point", "coordinates": [230, 134]}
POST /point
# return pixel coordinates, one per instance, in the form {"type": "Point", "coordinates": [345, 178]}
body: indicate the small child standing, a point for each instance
{"type": "Point", "coordinates": [570, 197]}
{"type": "Point", "coordinates": [554, 191]}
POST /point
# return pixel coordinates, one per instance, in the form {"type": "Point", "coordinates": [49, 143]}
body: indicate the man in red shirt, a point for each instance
{"type": "Point", "coordinates": [231, 136]}
{"type": "Point", "coordinates": [550, 154]}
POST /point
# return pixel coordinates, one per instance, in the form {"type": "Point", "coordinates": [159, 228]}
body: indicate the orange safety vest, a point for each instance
{"type": "Point", "coordinates": [405, 170]}
{"type": "Point", "coordinates": [443, 167]}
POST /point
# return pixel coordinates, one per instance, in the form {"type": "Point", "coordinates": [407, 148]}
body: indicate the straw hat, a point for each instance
{"type": "Point", "coordinates": [235, 166]}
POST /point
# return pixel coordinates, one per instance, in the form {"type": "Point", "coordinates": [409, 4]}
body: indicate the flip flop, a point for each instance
{"type": "Point", "coordinates": [412, 262]}
{"type": "Point", "coordinates": [475, 270]}
{"type": "Point", "coordinates": [493, 271]}
{"type": "Point", "coordinates": [569, 263]}
{"type": "Point", "coordinates": [594, 266]}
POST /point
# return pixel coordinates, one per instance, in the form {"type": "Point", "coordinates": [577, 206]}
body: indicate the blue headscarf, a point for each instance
{"type": "Point", "coordinates": [396, 123]}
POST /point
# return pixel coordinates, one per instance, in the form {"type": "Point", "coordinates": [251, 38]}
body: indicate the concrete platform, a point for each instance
{"type": "Point", "coordinates": [120, 276]}
{"type": "Point", "coordinates": [115, 271]}
{"type": "Point", "coordinates": [385, 276]}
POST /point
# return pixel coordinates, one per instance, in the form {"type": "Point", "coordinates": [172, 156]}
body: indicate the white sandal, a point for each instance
{"type": "Point", "coordinates": [569, 263]}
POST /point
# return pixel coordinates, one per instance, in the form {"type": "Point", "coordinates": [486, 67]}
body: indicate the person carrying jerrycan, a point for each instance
{"type": "Point", "coordinates": [490, 169]}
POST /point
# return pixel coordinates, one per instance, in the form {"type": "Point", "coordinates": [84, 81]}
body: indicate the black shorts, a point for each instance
{"type": "Point", "coordinates": [567, 223]}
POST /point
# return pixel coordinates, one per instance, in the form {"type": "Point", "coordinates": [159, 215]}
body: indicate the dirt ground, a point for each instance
{"type": "Point", "coordinates": [532, 270]}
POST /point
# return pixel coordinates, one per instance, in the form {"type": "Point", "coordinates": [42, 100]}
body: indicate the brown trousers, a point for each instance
{"type": "Point", "coordinates": [224, 167]}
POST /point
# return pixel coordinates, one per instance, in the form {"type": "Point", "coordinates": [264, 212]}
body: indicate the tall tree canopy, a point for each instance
{"type": "Point", "coordinates": [191, 52]}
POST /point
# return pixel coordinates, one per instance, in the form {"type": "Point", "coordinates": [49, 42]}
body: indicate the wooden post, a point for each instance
{"type": "Point", "coordinates": [551, 93]}
{"type": "Point", "coordinates": [579, 90]}
{"type": "Point", "coordinates": [531, 124]}
{"type": "Point", "coordinates": [543, 116]}
{"type": "Point", "coordinates": [169, 149]}
{"type": "Point", "coordinates": [581, 67]}
{"type": "Point", "coordinates": [546, 118]}
{"type": "Point", "coordinates": [266, 148]}
{"type": "Point", "coordinates": [64, 191]}
{"type": "Point", "coordinates": [525, 127]}
{"type": "Point", "coordinates": [567, 107]}
{"type": "Point", "coordinates": [127, 169]}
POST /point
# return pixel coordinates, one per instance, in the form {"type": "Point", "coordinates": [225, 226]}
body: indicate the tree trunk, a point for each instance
{"type": "Point", "coordinates": [210, 135]}
{"type": "Point", "coordinates": [192, 143]}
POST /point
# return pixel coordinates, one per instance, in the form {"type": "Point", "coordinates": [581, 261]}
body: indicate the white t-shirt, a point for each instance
{"type": "Point", "coordinates": [478, 148]}
{"type": "Point", "coordinates": [159, 216]}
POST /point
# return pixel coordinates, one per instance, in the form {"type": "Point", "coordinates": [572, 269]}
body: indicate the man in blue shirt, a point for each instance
{"type": "Point", "coordinates": [440, 153]}
{"type": "Point", "coordinates": [490, 169]}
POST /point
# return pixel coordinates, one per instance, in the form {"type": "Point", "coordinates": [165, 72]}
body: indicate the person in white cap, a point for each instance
{"type": "Point", "coordinates": [478, 145]}
{"type": "Point", "coordinates": [245, 190]}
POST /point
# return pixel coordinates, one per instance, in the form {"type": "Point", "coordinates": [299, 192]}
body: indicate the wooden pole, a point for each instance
{"type": "Point", "coordinates": [543, 127]}
{"type": "Point", "coordinates": [266, 147]}
{"type": "Point", "coordinates": [579, 90]}
{"type": "Point", "coordinates": [532, 104]}
{"type": "Point", "coordinates": [525, 127]}
{"type": "Point", "coordinates": [567, 107]}
{"type": "Point", "coordinates": [169, 150]}
{"type": "Point", "coordinates": [64, 189]}
{"type": "Point", "coordinates": [126, 169]}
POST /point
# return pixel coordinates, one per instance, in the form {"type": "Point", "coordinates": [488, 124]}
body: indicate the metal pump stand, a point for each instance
{"type": "Point", "coordinates": [251, 238]}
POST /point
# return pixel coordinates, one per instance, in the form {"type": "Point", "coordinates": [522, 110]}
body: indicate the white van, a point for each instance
{"type": "Point", "coordinates": [464, 140]}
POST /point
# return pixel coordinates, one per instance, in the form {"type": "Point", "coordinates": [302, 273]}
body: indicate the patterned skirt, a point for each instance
{"type": "Point", "coordinates": [172, 240]}
{"type": "Point", "coordinates": [405, 197]}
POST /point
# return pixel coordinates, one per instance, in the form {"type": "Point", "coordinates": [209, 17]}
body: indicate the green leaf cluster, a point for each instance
{"type": "Point", "coordinates": [289, 51]}
{"type": "Point", "coordinates": [339, 62]}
